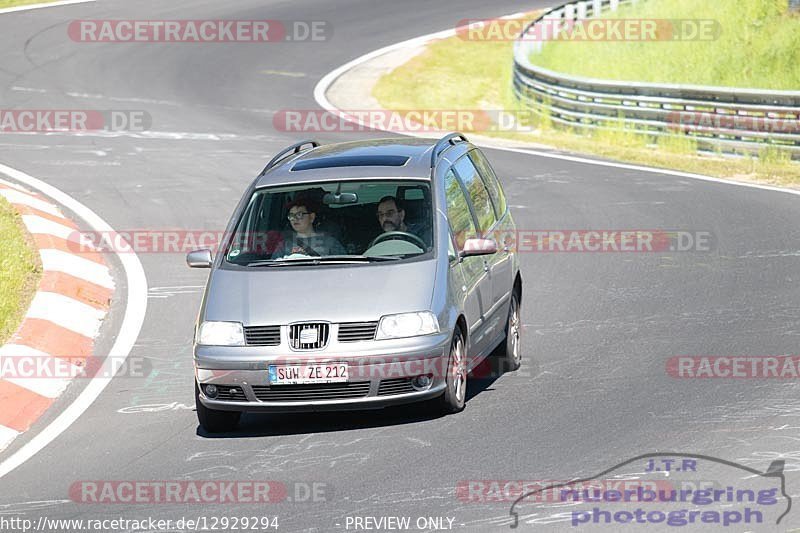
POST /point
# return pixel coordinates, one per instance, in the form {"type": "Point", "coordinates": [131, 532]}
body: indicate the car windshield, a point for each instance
{"type": "Point", "coordinates": [343, 221]}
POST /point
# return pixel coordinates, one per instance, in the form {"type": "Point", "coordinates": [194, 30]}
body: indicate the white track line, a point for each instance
{"type": "Point", "coordinates": [135, 309]}
{"type": "Point", "coordinates": [41, 6]}
{"type": "Point", "coordinates": [324, 84]}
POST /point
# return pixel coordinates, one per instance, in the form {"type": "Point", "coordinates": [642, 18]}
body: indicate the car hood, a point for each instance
{"type": "Point", "coordinates": [348, 293]}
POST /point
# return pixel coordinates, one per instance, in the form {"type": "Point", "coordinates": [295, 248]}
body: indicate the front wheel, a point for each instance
{"type": "Point", "coordinates": [455, 394]}
{"type": "Point", "coordinates": [511, 356]}
{"type": "Point", "coordinates": [212, 420]}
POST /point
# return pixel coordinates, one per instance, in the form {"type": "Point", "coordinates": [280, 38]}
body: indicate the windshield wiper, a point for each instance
{"type": "Point", "coordinates": [362, 258]}
{"type": "Point", "coordinates": [309, 261]}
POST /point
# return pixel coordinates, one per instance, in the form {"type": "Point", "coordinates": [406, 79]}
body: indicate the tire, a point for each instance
{"type": "Point", "coordinates": [212, 420]}
{"type": "Point", "coordinates": [511, 350]}
{"type": "Point", "coordinates": [455, 394]}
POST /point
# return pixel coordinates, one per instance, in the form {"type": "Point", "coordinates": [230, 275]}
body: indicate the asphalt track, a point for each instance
{"type": "Point", "coordinates": [598, 327]}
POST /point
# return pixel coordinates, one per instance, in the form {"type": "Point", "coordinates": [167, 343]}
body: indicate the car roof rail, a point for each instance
{"type": "Point", "coordinates": [441, 145]}
{"type": "Point", "coordinates": [296, 148]}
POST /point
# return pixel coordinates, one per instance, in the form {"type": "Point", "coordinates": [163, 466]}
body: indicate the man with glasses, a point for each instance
{"type": "Point", "coordinates": [391, 217]}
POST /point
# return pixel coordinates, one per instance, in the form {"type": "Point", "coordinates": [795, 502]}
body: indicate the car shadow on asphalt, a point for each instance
{"type": "Point", "coordinates": [267, 425]}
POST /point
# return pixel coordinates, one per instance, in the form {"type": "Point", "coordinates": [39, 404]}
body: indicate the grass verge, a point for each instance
{"type": "Point", "coordinates": [749, 43]}
{"type": "Point", "coordinates": [19, 270]}
{"type": "Point", "coordinates": [15, 3]}
{"type": "Point", "coordinates": [457, 73]}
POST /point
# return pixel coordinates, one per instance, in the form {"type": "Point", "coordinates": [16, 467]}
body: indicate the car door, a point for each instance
{"type": "Point", "coordinates": [477, 286]}
{"type": "Point", "coordinates": [486, 221]}
{"type": "Point", "coordinates": [502, 263]}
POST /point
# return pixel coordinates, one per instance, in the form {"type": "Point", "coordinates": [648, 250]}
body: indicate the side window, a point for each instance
{"type": "Point", "coordinates": [491, 181]}
{"type": "Point", "coordinates": [458, 213]}
{"type": "Point", "coordinates": [477, 192]}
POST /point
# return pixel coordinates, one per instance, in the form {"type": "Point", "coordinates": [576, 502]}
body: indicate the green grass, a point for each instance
{"type": "Point", "coordinates": [19, 270]}
{"type": "Point", "coordinates": [15, 3]}
{"type": "Point", "coordinates": [758, 46]}
{"type": "Point", "coordinates": [452, 73]}
{"type": "Point", "coordinates": [463, 74]}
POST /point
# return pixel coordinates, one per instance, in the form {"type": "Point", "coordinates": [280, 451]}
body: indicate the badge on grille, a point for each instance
{"type": "Point", "coordinates": [309, 335]}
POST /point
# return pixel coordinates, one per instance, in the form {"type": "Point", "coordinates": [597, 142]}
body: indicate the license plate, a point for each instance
{"type": "Point", "coordinates": [308, 374]}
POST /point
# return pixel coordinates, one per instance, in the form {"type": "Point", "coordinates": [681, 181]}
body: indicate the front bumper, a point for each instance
{"type": "Point", "coordinates": [380, 375]}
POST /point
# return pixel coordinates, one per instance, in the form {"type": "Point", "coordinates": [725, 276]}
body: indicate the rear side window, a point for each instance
{"type": "Point", "coordinates": [476, 189]}
{"type": "Point", "coordinates": [458, 213]}
{"type": "Point", "coordinates": [491, 181]}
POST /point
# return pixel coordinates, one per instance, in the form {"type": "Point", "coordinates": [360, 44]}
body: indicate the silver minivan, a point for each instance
{"type": "Point", "coordinates": [358, 275]}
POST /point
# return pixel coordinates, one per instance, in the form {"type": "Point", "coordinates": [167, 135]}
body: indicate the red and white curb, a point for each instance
{"type": "Point", "coordinates": [63, 319]}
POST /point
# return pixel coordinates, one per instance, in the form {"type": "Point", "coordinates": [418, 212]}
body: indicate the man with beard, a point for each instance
{"type": "Point", "coordinates": [391, 217]}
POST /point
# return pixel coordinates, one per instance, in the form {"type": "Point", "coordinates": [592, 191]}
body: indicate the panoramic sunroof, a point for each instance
{"type": "Point", "coordinates": [352, 161]}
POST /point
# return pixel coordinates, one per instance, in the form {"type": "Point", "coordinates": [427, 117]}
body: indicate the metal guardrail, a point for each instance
{"type": "Point", "coordinates": [717, 118]}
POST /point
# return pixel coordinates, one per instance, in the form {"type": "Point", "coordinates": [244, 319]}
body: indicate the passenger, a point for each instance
{"type": "Point", "coordinates": [305, 239]}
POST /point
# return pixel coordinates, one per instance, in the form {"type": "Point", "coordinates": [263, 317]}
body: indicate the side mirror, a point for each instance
{"type": "Point", "coordinates": [199, 259]}
{"type": "Point", "coordinates": [474, 247]}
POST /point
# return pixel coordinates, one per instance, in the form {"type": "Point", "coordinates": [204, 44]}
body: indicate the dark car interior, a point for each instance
{"type": "Point", "coordinates": [355, 225]}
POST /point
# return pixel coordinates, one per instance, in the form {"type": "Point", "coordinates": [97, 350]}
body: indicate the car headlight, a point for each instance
{"type": "Point", "coordinates": [220, 334]}
{"type": "Point", "coordinates": [407, 325]}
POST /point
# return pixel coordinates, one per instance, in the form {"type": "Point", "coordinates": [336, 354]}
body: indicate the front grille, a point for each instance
{"type": "Point", "coordinates": [262, 335]}
{"type": "Point", "coordinates": [230, 394]}
{"type": "Point", "coordinates": [395, 386]}
{"type": "Point", "coordinates": [357, 331]}
{"type": "Point", "coordinates": [309, 336]}
{"type": "Point", "coordinates": [322, 391]}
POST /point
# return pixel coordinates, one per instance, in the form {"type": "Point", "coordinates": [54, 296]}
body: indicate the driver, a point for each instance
{"type": "Point", "coordinates": [391, 217]}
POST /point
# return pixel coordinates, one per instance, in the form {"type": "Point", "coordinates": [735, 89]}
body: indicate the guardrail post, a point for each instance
{"type": "Point", "coordinates": [597, 7]}
{"type": "Point", "coordinates": [557, 17]}
{"type": "Point", "coordinates": [582, 8]}
{"type": "Point", "coordinates": [613, 5]}
{"type": "Point", "coordinates": [569, 12]}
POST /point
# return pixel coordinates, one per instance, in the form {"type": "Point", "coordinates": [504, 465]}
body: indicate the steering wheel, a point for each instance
{"type": "Point", "coordinates": [402, 235]}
